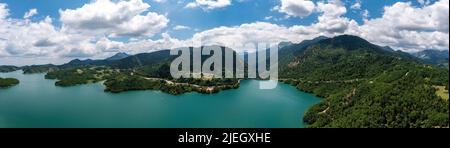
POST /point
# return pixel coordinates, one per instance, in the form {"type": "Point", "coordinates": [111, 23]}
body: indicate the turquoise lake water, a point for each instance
{"type": "Point", "coordinates": [36, 102]}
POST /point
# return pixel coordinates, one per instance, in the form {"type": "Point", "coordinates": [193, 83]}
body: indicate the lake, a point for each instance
{"type": "Point", "coordinates": [36, 102]}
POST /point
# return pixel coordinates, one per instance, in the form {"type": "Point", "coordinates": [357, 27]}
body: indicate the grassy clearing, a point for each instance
{"type": "Point", "coordinates": [441, 92]}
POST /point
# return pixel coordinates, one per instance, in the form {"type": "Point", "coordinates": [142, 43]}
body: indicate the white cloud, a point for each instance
{"type": "Point", "coordinates": [234, 37]}
{"type": "Point", "coordinates": [121, 18]}
{"type": "Point", "coordinates": [268, 17]}
{"type": "Point", "coordinates": [356, 5]}
{"type": "Point", "coordinates": [331, 20]}
{"type": "Point", "coordinates": [424, 2]}
{"type": "Point", "coordinates": [24, 38]}
{"type": "Point", "coordinates": [3, 11]}
{"type": "Point", "coordinates": [160, 1]}
{"type": "Point", "coordinates": [259, 32]}
{"type": "Point", "coordinates": [365, 14]}
{"type": "Point", "coordinates": [410, 28]}
{"type": "Point", "coordinates": [106, 45]}
{"type": "Point", "coordinates": [209, 4]}
{"type": "Point", "coordinates": [298, 8]}
{"type": "Point", "coordinates": [149, 45]}
{"type": "Point", "coordinates": [30, 13]}
{"type": "Point", "coordinates": [89, 35]}
{"type": "Point", "coordinates": [181, 27]}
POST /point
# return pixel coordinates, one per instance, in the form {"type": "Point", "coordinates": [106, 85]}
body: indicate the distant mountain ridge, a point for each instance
{"type": "Point", "coordinates": [118, 56]}
{"type": "Point", "coordinates": [436, 57]}
{"type": "Point", "coordinates": [90, 62]}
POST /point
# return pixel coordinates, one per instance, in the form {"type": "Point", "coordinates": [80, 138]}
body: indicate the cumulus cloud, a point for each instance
{"type": "Point", "coordinates": [402, 26]}
{"type": "Point", "coordinates": [149, 45]}
{"type": "Point", "coordinates": [3, 11]}
{"type": "Point", "coordinates": [410, 28]}
{"type": "Point", "coordinates": [356, 5]}
{"type": "Point", "coordinates": [85, 31]}
{"type": "Point", "coordinates": [332, 20]}
{"type": "Point", "coordinates": [297, 8]}
{"type": "Point", "coordinates": [235, 37]}
{"type": "Point", "coordinates": [106, 45]}
{"type": "Point", "coordinates": [121, 18]}
{"type": "Point", "coordinates": [24, 38]}
{"type": "Point", "coordinates": [209, 4]}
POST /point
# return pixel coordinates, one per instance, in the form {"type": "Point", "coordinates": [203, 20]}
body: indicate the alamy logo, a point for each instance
{"type": "Point", "coordinates": [258, 61]}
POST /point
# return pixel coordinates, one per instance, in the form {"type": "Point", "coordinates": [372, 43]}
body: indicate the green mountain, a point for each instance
{"type": "Point", "coordinates": [143, 59]}
{"type": "Point", "coordinates": [288, 53]}
{"type": "Point", "coordinates": [364, 85]}
{"type": "Point", "coordinates": [118, 56]}
{"type": "Point", "coordinates": [90, 62]}
{"type": "Point", "coordinates": [340, 58]}
{"type": "Point", "coordinates": [82, 63]}
{"type": "Point", "coordinates": [387, 48]}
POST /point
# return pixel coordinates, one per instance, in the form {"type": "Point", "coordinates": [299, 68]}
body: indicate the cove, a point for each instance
{"type": "Point", "coordinates": [36, 102]}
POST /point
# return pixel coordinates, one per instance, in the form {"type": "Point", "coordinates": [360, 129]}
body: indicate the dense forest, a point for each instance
{"type": "Point", "coordinates": [126, 82]}
{"type": "Point", "coordinates": [80, 75]}
{"type": "Point", "coordinates": [366, 86]}
{"type": "Point", "coordinates": [8, 82]}
{"type": "Point", "coordinates": [123, 83]}
{"type": "Point", "coordinates": [405, 102]}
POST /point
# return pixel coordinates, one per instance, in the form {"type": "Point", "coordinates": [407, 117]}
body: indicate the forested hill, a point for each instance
{"type": "Point", "coordinates": [364, 85]}
{"type": "Point", "coordinates": [143, 59]}
{"type": "Point", "coordinates": [7, 68]}
{"type": "Point", "coordinates": [342, 57]}
{"type": "Point", "coordinates": [157, 64]}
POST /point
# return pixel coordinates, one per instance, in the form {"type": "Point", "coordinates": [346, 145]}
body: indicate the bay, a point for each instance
{"type": "Point", "coordinates": [36, 102]}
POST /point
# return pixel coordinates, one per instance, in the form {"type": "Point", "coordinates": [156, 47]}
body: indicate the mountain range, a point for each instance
{"type": "Point", "coordinates": [362, 84]}
{"type": "Point", "coordinates": [288, 51]}
{"type": "Point", "coordinates": [365, 85]}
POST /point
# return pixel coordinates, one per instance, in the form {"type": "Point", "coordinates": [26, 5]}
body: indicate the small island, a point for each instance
{"type": "Point", "coordinates": [8, 82]}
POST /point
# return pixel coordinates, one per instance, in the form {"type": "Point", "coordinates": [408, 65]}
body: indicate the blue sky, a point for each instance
{"type": "Point", "coordinates": [238, 13]}
{"type": "Point", "coordinates": [60, 30]}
